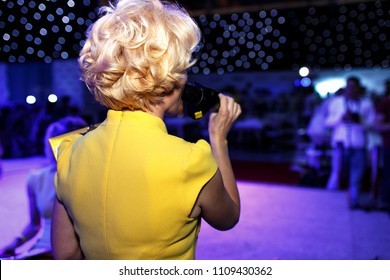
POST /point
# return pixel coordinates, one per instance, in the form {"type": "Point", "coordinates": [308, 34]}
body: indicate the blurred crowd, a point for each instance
{"type": "Point", "coordinates": [270, 122]}
{"type": "Point", "coordinates": [23, 126]}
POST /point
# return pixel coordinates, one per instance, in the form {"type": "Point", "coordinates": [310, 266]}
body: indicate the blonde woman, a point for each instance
{"type": "Point", "coordinates": [128, 189]}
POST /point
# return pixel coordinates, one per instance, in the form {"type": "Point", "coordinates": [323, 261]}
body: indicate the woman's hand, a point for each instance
{"type": "Point", "coordinates": [7, 252]}
{"type": "Point", "coordinates": [222, 121]}
{"type": "Point", "coordinates": [219, 200]}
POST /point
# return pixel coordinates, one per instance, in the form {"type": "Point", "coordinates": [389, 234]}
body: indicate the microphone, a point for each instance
{"type": "Point", "coordinates": [199, 100]}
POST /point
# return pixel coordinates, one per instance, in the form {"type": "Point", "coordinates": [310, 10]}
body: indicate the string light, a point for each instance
{"type": "Point", "coordinates": [338, 37]}
{"type": "Point", "coordinates": [342, 36]}
{"type": "Point", "coordinates": [43, 23]}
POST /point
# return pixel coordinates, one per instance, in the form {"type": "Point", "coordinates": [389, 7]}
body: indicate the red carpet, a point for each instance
{"type": "Point", "coordinates": [272, 172]}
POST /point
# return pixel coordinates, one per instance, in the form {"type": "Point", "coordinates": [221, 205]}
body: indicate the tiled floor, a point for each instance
{"type": "Point", "coordinates": [277, 222]}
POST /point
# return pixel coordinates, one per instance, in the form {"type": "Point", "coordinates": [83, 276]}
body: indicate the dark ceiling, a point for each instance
{"type": "Point", "coordinates": [238, 35]}
{"type": "Point", "coordinates": [354, 35]}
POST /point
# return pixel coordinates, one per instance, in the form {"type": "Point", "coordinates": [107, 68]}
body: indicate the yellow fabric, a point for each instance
{"type": "Point", "coordinates": [129, 187]}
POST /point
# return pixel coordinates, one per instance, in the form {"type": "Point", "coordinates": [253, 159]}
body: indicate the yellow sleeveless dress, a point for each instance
{"type": "Point", "coordinates": [129, 188]}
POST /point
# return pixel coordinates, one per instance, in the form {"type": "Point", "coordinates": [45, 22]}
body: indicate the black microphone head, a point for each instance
{"type": "Point", "coordinates": [199, 99]}
{"type": "Point", "coordinates": [192, 94]}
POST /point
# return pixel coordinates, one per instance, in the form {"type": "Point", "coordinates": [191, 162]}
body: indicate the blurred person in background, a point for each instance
{"type": "Point", "coordinates": [41, 195]}
{"type": "Point", "coordinates": [350, 116]}
{"type": "Point", "coordinates": [383, 127]}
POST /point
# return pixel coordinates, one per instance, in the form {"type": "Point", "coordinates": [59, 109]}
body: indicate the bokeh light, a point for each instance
{"type": "Point", "coordinates": [319, 36]}
{"type": "Point", "coordinates": [52, 98]}
{"type": "Point", "coordinates": [304, 71]}
{"type": "Point", "coordinates": [43, 22]}
{"type": "Point", "coordinates": [31, 99]}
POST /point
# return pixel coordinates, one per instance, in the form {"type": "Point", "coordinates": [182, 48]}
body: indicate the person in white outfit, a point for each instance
{"type": "Point", "coordinates": [350, 116]}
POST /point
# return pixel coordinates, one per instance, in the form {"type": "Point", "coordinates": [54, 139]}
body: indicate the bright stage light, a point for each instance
{"type": "Point", "coordinates": [31, 99]}
{"type": "Point", "coordinates": [304, 71]}
{"type": "Point", "coordinates": [329, 86]}
{"type": "Point", "coordinates": [52, 98]}
{"type": "Point", "coordinates": [305, 82]}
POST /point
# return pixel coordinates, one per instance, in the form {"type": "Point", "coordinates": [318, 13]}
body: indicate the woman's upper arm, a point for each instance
{"type": "Point", "coordinates": [217, 207]}
{"type": "Point", "coordinates": [64, 240]}
{"type": "Point", "coordinates": [35, 218]}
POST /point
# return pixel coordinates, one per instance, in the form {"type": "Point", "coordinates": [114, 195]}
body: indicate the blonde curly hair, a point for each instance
{"type": "Point", "coordinates": [136, 53]}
